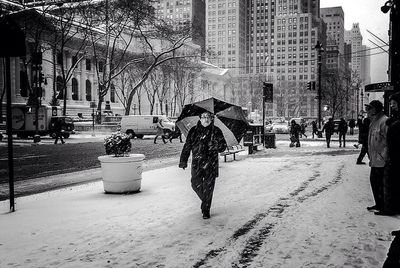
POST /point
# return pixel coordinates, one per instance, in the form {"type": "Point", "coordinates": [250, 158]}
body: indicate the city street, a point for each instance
{"type": "Point", "coordinates": [283, 207]}
{"type": "Point", "coordinates": [44, 164]}
{"type": "Point", "coordinates": [79, 153]}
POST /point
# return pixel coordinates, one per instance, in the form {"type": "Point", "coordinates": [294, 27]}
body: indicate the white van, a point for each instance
{"type": "Point", "coordinates": [140, 125]}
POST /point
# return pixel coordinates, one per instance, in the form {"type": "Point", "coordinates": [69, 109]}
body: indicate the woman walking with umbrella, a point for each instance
{"type": "Point", "coordinates": [205, 141]}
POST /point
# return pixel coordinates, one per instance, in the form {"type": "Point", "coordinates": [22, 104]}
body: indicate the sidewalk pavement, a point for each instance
{"type": "Point", "coordinates": [288, 207]}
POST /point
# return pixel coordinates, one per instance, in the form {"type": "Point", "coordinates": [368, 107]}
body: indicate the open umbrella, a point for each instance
{"type": "Point", "coordinates": [229, 118]}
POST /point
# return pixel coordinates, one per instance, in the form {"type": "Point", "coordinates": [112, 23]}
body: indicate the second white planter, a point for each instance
{"type": "Point", "coordinates": [121, 174]}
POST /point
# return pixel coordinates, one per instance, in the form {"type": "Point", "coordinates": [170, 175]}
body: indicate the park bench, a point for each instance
{"type": "Point", "coordinates": [232, 150]}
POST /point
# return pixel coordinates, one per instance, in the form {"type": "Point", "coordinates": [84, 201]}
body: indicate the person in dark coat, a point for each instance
{"type": "Point", "coordinates": [342, 128]}
{"type": "Point", "coordinates": [204, 141]}
{"type": "Point", "coordinates": [352, 124]}
{"type": "Point", "coordinates": [295, 131]}
{"type": "Point", "coordinates": [314, 128]}
{"type": "Point", "coordinates": [391, 181]}
{"type": "Point", "coordinates": [363, 128]}
{"type": "Point", "coordinates": [58, 131]}
{"type": "Point", "coordinates": [329, 128]}
{"type": "Point", "coordinates": [176, 134]}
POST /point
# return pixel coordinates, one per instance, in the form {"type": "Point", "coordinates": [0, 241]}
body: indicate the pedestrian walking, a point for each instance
{"type": "Point", "coordinates": [176, 134]}
{"type": "Point", "coordinates": [342, 128]}
{"type": "Point", "coordinates": [391, 181]}
{"type": "Point", "coordinates": [160, 131]}
{"type": "Point", "coordinates": [377, 151]}
{"type": "Point", "coordinates": [58, 125]}
{"type": "Point", "coordinates": [295, 131]}
{"type": "Point", "coordinates": [204, 141]}
{"type": "Point", "coordinates": [352, 125]}
{"type": "Point", "coordinates": [329, 128]}
{"type": "Point", "coordinates": [363, 129]}
{"type": "Point", "coordinates": [303, 129]}
{"type": "Point", "coordinates": [314, 128]}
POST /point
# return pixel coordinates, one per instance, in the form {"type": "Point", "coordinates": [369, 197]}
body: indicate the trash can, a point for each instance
{"type": "Point", "coordinates": [319, 134]}
{"type": "Point", "coordinates": [269, 140]}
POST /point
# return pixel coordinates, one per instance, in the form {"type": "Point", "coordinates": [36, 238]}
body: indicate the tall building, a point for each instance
{"type": "Point", "coordinates": [183, 13]}
{"type": "Point", "coordinates": [263, 40]}
{"type": "Point", "coordinates": [226, 34]}
{"type": "Point", "coordinates": [334, 19]}
{"type": "Point", "coordinates": [355, 38]}
{"type": "Point", "coordinates": [360, 63]}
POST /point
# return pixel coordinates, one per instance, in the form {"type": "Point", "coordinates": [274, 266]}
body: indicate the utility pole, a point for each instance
{"type": "Point", "coordinates": [319, 49]}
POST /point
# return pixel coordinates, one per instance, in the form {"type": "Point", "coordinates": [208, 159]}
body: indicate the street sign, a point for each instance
{"type": "Point", "coordinates": [93, 105]}
{"type": "Point", "coordinates": [379, 87]}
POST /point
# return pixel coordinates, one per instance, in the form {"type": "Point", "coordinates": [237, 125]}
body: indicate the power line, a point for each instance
{"type": "Point", "coordinates": [285, 62]}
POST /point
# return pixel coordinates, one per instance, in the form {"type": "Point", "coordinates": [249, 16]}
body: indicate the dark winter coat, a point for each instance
{"type": "Point", "coordinates": [352, 123]}
{"type": "Point", "coordinates": [342, 128]}
{"type": "Point", "coordinates": [329, 128]}
{"type": "Point", "coordinates": [393, 134]}
{"type": "Point", "coordinates": [363, 129]}
{"type": "Point", "coordinates": [392, 167]}
{"type": "Point", "coordinates": [295, 130]}
{"type": "Point", "coordinates": [205, 143]}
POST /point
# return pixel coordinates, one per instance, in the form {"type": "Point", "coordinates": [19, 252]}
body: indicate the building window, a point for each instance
{"type": "Point", "coordinates": [101, 66]}
{"type": "Point", "coordinates": [59, 57]}
{"type": "Point", "coordinates": [75, 95]}
{"type": "Point", "coordinates": [88, 90]}
{"type": "Point", "coordinates": [88, 65]}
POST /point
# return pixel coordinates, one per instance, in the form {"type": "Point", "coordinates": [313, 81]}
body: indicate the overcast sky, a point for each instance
{"type": "Point", "coordinates": [370, 17]}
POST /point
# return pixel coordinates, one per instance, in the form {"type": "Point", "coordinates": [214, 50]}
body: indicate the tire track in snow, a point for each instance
{"type": "Point", "coordinates": [255, 241]}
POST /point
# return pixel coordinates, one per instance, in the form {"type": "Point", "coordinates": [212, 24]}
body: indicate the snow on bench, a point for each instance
{"type": "Point", "coordinates": [232, 150]}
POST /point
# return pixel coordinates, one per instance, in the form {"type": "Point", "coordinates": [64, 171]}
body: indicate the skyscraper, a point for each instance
{"type": "Point", "coordinates": [184, 13]}
{"type": "Point", "coordinates": [334, 19]}
{"type": "Point", "coordinates": [226, 34]}
{"type": "Point", "coordinates": [355, 38]}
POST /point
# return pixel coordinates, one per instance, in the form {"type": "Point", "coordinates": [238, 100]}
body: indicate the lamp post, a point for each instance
{"type": "Point", "coordinates": [319, 49]}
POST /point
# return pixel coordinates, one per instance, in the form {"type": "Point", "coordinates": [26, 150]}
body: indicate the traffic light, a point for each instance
{"type": "Point", "coordinates": [311, 85]}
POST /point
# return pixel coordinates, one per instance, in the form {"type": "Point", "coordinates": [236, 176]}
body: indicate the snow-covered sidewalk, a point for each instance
{"type": "Point", "coordinates": [271, 210]}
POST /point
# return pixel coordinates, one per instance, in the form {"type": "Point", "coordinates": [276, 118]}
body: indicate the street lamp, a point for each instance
{"type": "Point", "coordinates": [319, 49]}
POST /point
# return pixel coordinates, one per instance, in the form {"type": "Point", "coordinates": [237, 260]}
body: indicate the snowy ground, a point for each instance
{"type": "Point", "coordinates": [285, 207]}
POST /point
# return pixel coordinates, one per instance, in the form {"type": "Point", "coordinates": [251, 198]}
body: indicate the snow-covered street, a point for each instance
{"type": "Point", "coordinates": [272, 209]}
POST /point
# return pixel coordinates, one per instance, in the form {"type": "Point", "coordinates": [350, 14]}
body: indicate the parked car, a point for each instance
{"type": "Point", "coordinates": [280, 127]}
{"type": "Point", "coordinates": [268, 127]}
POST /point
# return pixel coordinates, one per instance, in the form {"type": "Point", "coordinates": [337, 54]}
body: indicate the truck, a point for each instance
{"type": "Point", "coordinates": [24, 121]}
{"type": "Point", "coordinates": [140, 125]}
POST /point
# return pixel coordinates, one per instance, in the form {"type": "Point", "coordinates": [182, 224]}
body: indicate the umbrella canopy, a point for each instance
{"type": "Point", "coordinates": [229, 118]}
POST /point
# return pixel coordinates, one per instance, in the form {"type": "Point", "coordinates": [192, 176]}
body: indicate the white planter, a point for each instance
{"type": "Point", "coordinates": [121, 174]}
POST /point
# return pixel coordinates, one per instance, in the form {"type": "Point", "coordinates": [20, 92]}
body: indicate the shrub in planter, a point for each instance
{"type": "Point", "coordinates": [118, 144]}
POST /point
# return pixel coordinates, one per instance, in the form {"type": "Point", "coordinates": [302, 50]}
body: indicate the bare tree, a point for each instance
{"type": "Point", "coordinates": [338, 89]}
{"type": "Point", "coordinates": [72, 36]}
{"type": "Point", "coordinates": [184, 73]}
